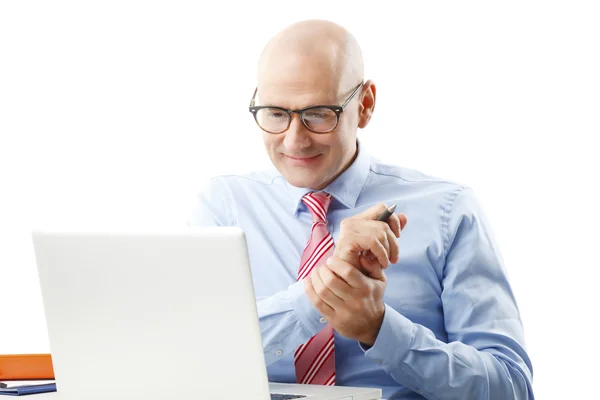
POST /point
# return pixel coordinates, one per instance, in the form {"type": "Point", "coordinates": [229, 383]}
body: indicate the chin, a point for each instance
{"type": "Point", "coordinates": [301, 176]}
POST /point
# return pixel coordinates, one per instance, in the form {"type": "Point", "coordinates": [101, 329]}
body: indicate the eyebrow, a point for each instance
{"type": "Point", "coordinates": [300, 105]}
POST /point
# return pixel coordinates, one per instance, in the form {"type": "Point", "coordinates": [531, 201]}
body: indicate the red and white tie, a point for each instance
{"type": "Point", "coordinates": [315, 359]}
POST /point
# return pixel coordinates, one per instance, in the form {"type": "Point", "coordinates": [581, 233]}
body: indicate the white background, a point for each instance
{"type": "Point", "coordinates": [114, 113]}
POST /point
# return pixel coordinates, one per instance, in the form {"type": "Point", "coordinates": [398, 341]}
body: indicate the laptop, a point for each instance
{"type": "Point", "coordinates": [154, 315]}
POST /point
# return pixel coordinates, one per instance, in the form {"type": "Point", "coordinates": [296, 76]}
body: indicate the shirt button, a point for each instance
{"type": "Point", "coordinates": [378, 361]}
{"type": "Point", "coordinates": [278, 352]}
{"type": "Point", "coordinates": [322, 320]}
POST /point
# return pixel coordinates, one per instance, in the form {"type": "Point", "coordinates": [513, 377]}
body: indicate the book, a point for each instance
{"type": "Point", "coordinates": [26, 366]}
{"type": "Point", "coordinates": [20, 388]}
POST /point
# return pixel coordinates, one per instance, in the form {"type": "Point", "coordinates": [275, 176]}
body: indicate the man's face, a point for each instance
{"type": "Point", "coordinates": [304, 158]}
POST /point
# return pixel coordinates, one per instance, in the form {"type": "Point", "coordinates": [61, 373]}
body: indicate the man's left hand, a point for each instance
{"type": "Point", "coordinates": [351, 302]}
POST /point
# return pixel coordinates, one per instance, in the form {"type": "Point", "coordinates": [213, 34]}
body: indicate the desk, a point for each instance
{"type": "Point", "coordinates": [338, 392]}
{"type": "Point", "coordinates": [56, 396]}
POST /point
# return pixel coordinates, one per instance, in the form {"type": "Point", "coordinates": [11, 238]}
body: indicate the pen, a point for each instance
{"type": "Point", "coordinates": [3, 385]}
{"type": "Point", "coordinates": [387, 213]}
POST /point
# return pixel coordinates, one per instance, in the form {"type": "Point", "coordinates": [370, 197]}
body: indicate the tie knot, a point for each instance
{"type": "Point", "coordinates": [318, 204]}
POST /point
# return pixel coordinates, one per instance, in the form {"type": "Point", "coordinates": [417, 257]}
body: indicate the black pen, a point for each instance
{"type": "Point", "coordinates": [387, 213]}
{"type": "Point", "coordinates": [3, 385]}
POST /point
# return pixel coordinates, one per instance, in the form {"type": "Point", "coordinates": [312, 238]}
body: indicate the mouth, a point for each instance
{"type": "Point", "coordinates": [301, 161]}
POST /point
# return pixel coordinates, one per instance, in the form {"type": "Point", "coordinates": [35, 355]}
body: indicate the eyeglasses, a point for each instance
{"type": "Point", "coordinates": [318, 119]}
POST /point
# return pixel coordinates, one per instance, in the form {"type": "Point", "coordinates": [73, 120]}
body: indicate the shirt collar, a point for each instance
{"type": "Point", "coordinates": [345, 188]}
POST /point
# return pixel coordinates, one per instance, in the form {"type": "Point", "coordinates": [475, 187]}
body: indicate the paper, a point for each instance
{"type": "Point", "coordinates": [12, 384]}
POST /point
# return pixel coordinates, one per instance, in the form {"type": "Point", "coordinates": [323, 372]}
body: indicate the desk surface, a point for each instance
{"type": "Point", "coordinates": [54, 396]}
{"type": "Point", "coordinates": [309, 390]}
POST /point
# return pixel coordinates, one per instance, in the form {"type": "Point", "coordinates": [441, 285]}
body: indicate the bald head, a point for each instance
{"type": "Point", "coordinates": [315, 66]}
{"type": "Point", "coordinates": [313, 53]}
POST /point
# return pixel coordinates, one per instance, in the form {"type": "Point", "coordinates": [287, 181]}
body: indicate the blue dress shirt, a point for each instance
{"type": "Point", "coordinates": [451, 328]}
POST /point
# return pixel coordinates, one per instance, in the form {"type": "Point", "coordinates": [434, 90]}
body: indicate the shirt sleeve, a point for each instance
{"type": "Point", "coordinates": [485, 357]}
{"type": "Point", "coordinates": [287, 319]}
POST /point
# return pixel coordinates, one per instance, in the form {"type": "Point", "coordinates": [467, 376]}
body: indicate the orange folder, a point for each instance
{"type": "Point", "coordinates": [26, 366]}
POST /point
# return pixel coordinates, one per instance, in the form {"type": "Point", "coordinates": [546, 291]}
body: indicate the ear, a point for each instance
{"type": "Point", "coordinates": [367, 103]}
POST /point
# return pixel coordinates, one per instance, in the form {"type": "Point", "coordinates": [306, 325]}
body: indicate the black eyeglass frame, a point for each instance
{"type": "Point", "coordinates": [337, 109]}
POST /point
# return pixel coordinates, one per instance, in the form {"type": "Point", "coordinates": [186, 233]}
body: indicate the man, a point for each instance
{"type": "Point", "coordinates": [338, 303]}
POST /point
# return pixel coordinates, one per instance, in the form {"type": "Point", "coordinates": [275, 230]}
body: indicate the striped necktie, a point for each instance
{"type": "Point", "coordinates": [315, 359]}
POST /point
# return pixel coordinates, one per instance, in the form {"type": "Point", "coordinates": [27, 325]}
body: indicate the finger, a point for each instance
{"type": "Point", "coordinates": [347, 272]}
{"type": "Point", "coordinates": [337, 285]}
{"type": "Point", "coordinates": [373, 267]}
{"type": "Point", "coordinates": [394, 223]}
{"type": "Point", "coordinates": [323, 291]}
{"type": "Point", "coordinates": [385, 235]}
{"type": "Point", "coordinates": [368, 265]}
{"type": "Point", "coordinates": [372, 243]}
{"type": "Point", "coordinates": [325, 309]}
{"type": "Point", "coordinates": [403, 220]}
{"type": "Point", "coordinates": [388, 240]}
{"type": "Point", "coordinates": [394, 251]}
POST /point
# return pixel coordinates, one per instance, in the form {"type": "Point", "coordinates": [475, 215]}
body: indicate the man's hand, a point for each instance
{"type": "Point", "coordinates": [369, 244]}
{"type": "Point", "coordinates": [350, 301]}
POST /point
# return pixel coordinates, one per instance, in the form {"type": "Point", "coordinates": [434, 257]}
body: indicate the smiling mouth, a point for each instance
{"type": "Point", "coordinates": [302, 158]}
{"type": "Point", "coordinates": [302, 161]}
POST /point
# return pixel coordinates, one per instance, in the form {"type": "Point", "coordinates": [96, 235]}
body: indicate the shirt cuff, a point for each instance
{"type": "Point", "coordinates": [310, 318]}
{"type": "Point", "coordinates": [394, 339]}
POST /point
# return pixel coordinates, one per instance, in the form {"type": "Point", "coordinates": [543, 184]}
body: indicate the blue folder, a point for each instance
{"type": "Point", "coordinates": [28, 389]}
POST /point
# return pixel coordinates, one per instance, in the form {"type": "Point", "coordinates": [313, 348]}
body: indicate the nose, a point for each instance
{"type": "Point", "coordinates": [297, 137]}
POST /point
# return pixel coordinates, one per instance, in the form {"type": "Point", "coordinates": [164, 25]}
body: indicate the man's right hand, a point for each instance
{"type": "Point", "coordinates": [368, 244]}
